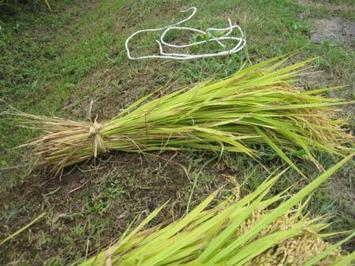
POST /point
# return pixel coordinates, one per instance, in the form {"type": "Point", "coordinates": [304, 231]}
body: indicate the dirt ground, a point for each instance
{"type": "Point", "coordinates": [55, 63]}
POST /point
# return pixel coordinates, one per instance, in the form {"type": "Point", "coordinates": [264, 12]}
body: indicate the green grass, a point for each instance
{"type": "Point", "coordinates": [54, 63]}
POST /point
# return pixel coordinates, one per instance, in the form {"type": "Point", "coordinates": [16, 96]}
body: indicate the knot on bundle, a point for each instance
{"type": "Point", "coordinates": [97, 141]}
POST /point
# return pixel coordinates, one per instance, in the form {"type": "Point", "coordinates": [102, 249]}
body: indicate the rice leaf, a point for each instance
{"type": "Point", "coordinates": [329, 250]}
{"type": "Point", "coordinates": [250, 231]}
{"type": "Point", "coordinates": [279, 211]}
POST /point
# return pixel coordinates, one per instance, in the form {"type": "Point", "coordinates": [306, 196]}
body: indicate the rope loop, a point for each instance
{"type": "Point", "coordinates": [97, 141]}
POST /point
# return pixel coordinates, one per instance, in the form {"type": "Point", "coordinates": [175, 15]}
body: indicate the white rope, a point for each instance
{"type": "Point", "coordinates": [240, 41]}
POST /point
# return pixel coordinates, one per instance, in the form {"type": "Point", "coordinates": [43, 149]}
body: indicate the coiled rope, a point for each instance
{"type": "Point", "coordinates": [240, 41]}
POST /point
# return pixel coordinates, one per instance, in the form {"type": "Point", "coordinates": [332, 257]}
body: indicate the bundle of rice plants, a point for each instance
{"type": "Point", "coordinates": [244, 232]}
{"type": "Point", "coordinates": [259, 105]}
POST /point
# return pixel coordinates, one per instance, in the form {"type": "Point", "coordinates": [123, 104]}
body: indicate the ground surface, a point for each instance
{"type": "Point", "coordinates": [55, 63]}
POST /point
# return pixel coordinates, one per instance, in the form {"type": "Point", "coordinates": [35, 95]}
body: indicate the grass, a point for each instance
{"type": "Point", "coordinates": [13, 5]}
{"type": "Point", "coordinates": [56, 63]}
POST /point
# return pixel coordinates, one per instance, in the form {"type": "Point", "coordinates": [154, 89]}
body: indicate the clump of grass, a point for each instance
{"type": "Point", "coordinates": [259, 105]}
{"type": "Point", "coordinates": [243, 232]}
{"type": "Point", "coordinates": [14, 3]}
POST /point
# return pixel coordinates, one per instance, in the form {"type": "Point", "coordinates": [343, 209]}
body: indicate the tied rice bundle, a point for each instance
{"type": "Point", "coordinates": [258, 105]}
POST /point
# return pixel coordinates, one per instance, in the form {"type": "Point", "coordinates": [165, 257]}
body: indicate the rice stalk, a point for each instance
{"type": "Point", "coordinates": [259, 105]}
{"type": "Point", "coordinates": [255, 230]}
{"type": "Point", "coordinates": [22, 229]}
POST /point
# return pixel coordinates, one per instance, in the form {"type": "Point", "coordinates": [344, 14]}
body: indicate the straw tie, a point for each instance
{"type": "Point", "coordinates": [98, 142]}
